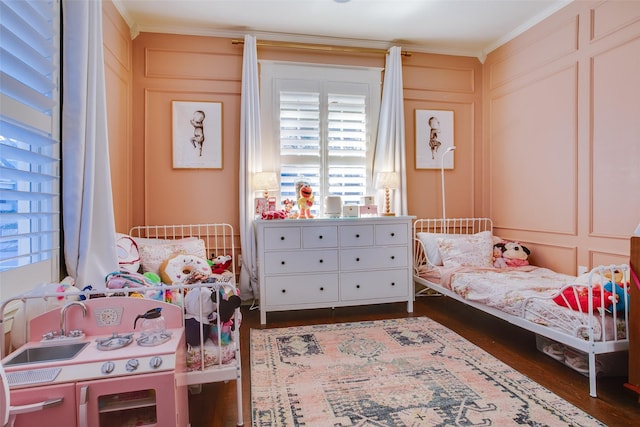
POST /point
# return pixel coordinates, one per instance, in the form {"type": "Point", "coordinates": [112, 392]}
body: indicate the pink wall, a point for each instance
{"type": "Point", "coordinates": [117, 61]}
{"type": "Point", "coordinates": [190, 68]}
{"type": "Point", "coordinates": [545, 129]}
{"type": "Point", "coordinates": [561, 132]}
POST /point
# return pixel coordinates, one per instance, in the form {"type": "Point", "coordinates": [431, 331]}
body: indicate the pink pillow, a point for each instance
{"type": "Point", "coordinates": [473, 250]}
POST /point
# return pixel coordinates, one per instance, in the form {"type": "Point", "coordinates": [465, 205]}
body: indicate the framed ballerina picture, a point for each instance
{"type": "Point", "coordinates": [434, 134]}
{"type": "Point", "coordinates": [197, 135]}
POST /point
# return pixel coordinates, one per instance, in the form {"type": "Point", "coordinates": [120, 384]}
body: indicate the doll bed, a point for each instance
{"type": "Point", "coordinates": [524, 295]}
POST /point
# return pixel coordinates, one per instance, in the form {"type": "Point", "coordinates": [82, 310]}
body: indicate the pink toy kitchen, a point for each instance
{"type": "Point", "coordinates": [117, 361]}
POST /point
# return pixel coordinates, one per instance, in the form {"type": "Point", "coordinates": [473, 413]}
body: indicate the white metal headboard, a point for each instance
{"type": "Point", "coordinates": [218, 239]}
{"type": "Point", "coordinates": [452, 225]}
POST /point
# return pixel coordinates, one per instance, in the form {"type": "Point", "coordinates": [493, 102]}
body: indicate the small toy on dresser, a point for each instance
{"type": "Point", "coordinates": [510, 254]}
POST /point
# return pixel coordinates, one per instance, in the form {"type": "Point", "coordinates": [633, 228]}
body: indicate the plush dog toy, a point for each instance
{"type": "Point", "coordinates": [220, 263]}
{"type": "Point", "coordinates": [510, 254]}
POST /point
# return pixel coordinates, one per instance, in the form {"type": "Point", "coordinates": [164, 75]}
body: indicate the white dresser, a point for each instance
{"type": "Point", "coordinates": [315, 263]}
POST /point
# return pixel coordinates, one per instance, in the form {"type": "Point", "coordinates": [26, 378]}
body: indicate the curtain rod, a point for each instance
{"type": "Point", "coordinates": [319, 47]}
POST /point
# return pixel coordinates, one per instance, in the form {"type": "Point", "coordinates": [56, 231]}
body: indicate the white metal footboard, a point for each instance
{"type": "Point", "coordinates": [593, 330]}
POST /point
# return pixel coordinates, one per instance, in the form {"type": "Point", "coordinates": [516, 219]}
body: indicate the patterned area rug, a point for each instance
{"type": "Point", "coordinates": [402, 372]}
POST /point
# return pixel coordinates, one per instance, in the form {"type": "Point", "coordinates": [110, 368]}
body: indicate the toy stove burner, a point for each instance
{"type": "Point", "coordinates": [114, 342]}
{"type": "Point", "coordinates": [154, 339]}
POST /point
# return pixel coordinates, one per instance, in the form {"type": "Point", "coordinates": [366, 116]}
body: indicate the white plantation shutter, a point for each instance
{"type": "Point", "coordinates": [319, 126]}
{"type": "Point", "coordinates": [29, 142]}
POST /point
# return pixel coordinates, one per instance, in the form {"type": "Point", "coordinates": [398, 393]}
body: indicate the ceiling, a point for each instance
{"type": "Point", "coordinates": [452, 27]}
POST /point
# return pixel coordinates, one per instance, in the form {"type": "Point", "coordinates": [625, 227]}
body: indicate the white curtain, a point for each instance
{"type": "Point", "coordinates": [88, 218]}
{"type": "Point", "coordinates": [390, 151]}
{"type": "Point", "coordinates": [249, 162]}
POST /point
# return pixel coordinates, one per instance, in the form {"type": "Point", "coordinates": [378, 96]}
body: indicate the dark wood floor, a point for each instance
{"type": "Point", "coordinates": [615, 405]}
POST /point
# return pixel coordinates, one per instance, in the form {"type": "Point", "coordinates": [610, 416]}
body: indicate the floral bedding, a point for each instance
{"type": "Point", "coordinates": [511, 290]}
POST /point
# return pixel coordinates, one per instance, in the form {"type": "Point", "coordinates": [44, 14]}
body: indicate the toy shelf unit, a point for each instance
{"type": "Point", "coordinates": [320, 263]}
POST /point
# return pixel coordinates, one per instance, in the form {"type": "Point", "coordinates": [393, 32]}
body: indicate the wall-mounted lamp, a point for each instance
{"type": "Point", "coordinates": [453, 147]}
{"type": "Point", "coordinates": [388, 181]}
{"type": "Point", "coordinates": [265, 181]}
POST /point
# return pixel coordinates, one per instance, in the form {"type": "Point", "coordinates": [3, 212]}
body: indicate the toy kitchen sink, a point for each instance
{"type": "Point", "coordinates": [87, 365]}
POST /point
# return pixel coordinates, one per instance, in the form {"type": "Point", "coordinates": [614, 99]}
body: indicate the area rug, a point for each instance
{"type": "Point", "coordinates": [400, 372]}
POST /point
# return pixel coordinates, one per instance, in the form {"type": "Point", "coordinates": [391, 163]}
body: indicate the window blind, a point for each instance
{"type": "Point", "coordinates": [323, 119]}
{"type": "Point", "coordinates": [29, 135]}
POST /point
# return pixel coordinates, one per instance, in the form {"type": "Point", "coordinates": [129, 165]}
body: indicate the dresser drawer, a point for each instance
{"type": "Point", "coordinates": [373, 285]}
{"type": "Point", "coordinates": [319, 237]}
{"type": "Point", "coordinates": [356, 235]}
{"type": "Point", "coordinates": [391, 234]}
{"type": "Point", "coordinates": [373, 258]}
{"type": "Point", "coordinates": [300, 289]}
{"type": "Point", "coordinates": [287, 262]}
{"type": "Point", "coordinates": [282, 238]}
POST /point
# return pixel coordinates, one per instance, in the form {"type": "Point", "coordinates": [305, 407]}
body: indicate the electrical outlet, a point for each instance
{"type": "Point", "coordinates": [239, 260]}
{"type": "Point", "coordinates": [582, 269]}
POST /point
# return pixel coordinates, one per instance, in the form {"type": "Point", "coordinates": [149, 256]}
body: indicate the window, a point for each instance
{"type": "Point", "coordinates": [29, 144]}
{"type": "Point", "coordinates": [319, 124]}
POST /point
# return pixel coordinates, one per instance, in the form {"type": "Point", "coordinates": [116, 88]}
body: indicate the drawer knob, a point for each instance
{"type": "Point", "coordinates": [357, 259]}
{"type": "Point", "coordinates": [282, 262]}
{"type": "Point", "coordinates": [357, 236]}
{"type": "Point", "coordinates": [322, 288]}
{"type": "Point", "coordinates": [393, 283]}
{"type": "Point", "coordinates": [284, 291]}
{"type": "Point", "coordinates": [320, 237]}
{"type": "Point", "coordinates": [281, 237]}
{"type": "Point", "coordinates": [393, 234]}
{"type": "Point", "coordinates": [393, 257]}
{"type": "Point", "coordinates": [321, 261]}
{"type": "Point", "coordinates": [357, 286]}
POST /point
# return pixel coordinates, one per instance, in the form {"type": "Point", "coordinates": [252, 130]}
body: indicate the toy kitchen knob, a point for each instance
{"type": "Point", "coordinates": [108, 367]}
{"type": "Point", "coordinates": [132, 365]}
{"type": "Point", "coordinates": [155, 362]}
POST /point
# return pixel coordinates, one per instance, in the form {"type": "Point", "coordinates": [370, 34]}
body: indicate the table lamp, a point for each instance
{"type": "Point", "coordinates": [388, 181]}
{"type": "Point", "coordinates": [265, 181]}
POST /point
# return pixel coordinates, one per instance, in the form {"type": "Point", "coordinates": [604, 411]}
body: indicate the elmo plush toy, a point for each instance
{"type": "Point", "coordinates": [305, 200]}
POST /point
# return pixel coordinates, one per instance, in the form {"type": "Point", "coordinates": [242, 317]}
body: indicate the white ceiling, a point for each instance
{"type": "Point", "coordinates": [454, 27]}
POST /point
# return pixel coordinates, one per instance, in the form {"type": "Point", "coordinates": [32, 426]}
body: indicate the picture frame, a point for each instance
{"type": "Point", "coordinates": [197, 134]}
{"type": "Point", "coordinates": [434, 134]}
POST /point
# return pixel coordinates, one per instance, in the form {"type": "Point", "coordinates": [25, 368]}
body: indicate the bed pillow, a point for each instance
{"type": "Point", "coordinates": [473, 250]}
{"type": "Point", "coordinates": [153, 254]}
{"type": "Point", "coordinates": [430, 245]}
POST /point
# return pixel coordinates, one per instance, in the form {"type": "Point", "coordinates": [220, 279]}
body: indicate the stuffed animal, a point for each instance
{"type": "Point", "coordinates": [616, 281]}
{"type": "Point", "coordinates": [510, 254]}
{"type": "Point", "coordinates": [227, 307]}
{"type": "Point", "coordinates": [199, 306]}
{"type": "Point", "coordinates": [220, 263]}
{"type": "Point", "coordinates": [305, 199]}
{"type": "Point", "coordinates": [203, 320]}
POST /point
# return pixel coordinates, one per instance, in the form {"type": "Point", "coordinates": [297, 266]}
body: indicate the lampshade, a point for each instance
{"type": "Point", "coordinates": [388, 179]}
{"type": "Point", "coordinates": [265, 181]}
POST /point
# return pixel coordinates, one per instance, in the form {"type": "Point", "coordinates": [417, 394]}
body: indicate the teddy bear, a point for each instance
{"type": "Point", "coordinates": [510, 254]}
